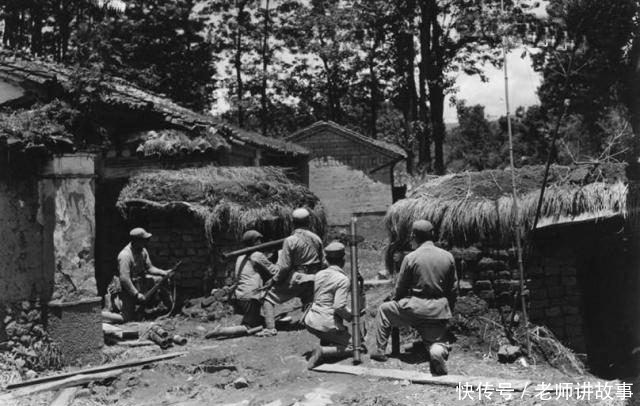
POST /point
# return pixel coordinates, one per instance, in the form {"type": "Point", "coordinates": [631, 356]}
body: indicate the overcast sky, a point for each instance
{"type": "Point", "coordinates": [523, 83]}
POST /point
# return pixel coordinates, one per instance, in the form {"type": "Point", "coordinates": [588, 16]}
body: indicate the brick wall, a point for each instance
{"type": "Point", "coordinates": [582, 286]}
{"type": "Point", "coordinates": [339, 176]}
{"type": "Point", "coordinates": [181, 238]}
{"type": "Point", "coordinates": [555, 296]}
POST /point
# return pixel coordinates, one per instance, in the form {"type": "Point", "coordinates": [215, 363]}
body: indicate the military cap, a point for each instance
{"type": "Point", "coordinates": [250, 236]}
{"type": "Point", "coordinates": [422, 226]}
{"type": "Point", "coordinates": [139, 232]}
{"type": "Point", "coordinates": [301, 214]}
{"type": "Point", "coordinates": [335, 249]}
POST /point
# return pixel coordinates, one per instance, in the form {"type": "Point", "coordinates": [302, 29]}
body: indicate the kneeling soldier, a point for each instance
{"type": "Point", "coordinates": [329, 308]}
{"type": "Point", "coordinates": [423, 299]}
{"type": "Point", "coordinates": [135, 270]}
{"type": "Point", "coordinates": [251, 271]}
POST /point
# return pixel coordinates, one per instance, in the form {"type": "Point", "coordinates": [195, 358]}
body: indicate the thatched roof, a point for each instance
{"type": "Point", "coordinates": [58, 79]}
{"type": "Point", "coordinates": [225, 199]}
{"type": "Point", "coordinates": [478, 206]}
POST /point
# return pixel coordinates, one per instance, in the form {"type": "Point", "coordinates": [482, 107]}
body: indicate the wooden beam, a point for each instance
{"type": "Point", "coordinates": [76, 380]}
{"type": "Point", "coordinates": [518, 385]}
{"type": "Point", "coordinates": [103, 368]}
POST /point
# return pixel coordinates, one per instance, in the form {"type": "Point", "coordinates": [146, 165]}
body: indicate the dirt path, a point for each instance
{"type": "Point", "coordinates": [272, 371]}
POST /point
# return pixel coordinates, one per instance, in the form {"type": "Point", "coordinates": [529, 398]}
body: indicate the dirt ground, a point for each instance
{"type": "Point", "coordinates": [275, 373]}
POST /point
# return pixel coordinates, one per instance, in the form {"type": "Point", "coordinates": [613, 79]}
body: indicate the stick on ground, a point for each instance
{"type": "Point", "coordinates": [76, 380]}
{"type": "Point", "coordinates": [421, 377]}
{"type": "Point", "coordinates": [102, 368]}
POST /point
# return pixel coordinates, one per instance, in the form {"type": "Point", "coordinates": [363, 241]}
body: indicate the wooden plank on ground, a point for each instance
{"type": "Point", "coordinates": [111, 329]}
{"type": "Point", "coordinates": [423, 378]}
{"type": "Point", "coordinates": [65, 397]}
{"type": "Point", "coordinates": [135, 343]}
{"type": "Point", "coordinates": [76, 380]}
{"type": "Point", "coordinates": [102, 368]}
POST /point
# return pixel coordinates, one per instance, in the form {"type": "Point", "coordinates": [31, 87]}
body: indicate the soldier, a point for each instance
{"type": "Point", "coordinates": [250, 273]}
{"type": "Point", "coordinates": [423, 299]}
{"type": "Point", "coordinates": [134, 266]}
{"type": "Point", "coordinates": [300, 258]}
{"type": "Point", "coordinates": [329, 308]}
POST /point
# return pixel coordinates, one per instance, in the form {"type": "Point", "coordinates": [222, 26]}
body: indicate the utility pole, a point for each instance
{"type": "Point", "coordinates": [516, 212]}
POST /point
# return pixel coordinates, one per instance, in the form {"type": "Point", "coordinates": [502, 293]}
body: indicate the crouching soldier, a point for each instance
{"type": "Point", "coordinates": [324, 318]}
{"type": "Point", "coordinates": [251, 271]}
{"type": "Point", "coordinates": [299, 260]}
{"type": "Point", "coordinates": [423, 299]}
{"type": "Point", "coordinates": [135, 272]}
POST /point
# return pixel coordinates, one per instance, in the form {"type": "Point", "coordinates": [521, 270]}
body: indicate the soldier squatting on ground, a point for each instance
{"type": "Point", "coordinates": [324, 317]}
{"type": "Point", "coordinates": [136, 274]}
{"type": "Point", "coordinates": [424, 297]}
{"type": "Point", "coordinates": [247, 297]}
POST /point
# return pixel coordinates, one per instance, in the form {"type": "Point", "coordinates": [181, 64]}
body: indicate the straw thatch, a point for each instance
{"type": "Point", "coordinates": [225, 199]}
{"type": "Point", "coordinates": [471, 207]}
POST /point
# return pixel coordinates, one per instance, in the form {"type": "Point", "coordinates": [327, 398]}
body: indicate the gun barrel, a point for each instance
{"type": "Point", "coordinates": [265, 246]}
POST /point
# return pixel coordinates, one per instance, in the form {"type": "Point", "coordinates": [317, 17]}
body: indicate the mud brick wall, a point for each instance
{"type": "Point", "coordinates": [182, 238]}
{"type": "Point", "coordinates": [22, 271]}
{"type": "Point", "coordinates": [339, 176]}
{"type": "Point", "coordinates": [555, 296]}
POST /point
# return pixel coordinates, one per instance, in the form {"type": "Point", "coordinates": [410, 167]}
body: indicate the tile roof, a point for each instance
{"type": "Point", "coordinates": [318, 127]}
{"type": "Point", "coordinates": [122, 93]}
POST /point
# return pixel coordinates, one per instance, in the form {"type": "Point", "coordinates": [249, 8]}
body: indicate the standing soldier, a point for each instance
{"type": "Point", "coordinates": [423, 299]}
{"type": "Point", "coordinates": [300, 258]}
{"type": "Point", "coordinates": [329, 308]}
{"type": "Point", "coordinates": [134, 266]}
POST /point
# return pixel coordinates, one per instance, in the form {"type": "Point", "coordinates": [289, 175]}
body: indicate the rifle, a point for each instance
{"type": "Point", "coordinates": [155, 287]}
{"type": "Point", "coordinates": [265, 246]}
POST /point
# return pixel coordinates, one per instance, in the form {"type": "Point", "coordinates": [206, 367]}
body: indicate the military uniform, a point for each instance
{"type": "Point", "coordinates": [251, 271]}
{"type": "Point", "coordinates": [423, 299]}
{"type": "Point", "coordinates": [301, 257]}
{"type": "Point", "coordinates": [330, 297]}
{"type": "Point", "coordinates": [134, 267]}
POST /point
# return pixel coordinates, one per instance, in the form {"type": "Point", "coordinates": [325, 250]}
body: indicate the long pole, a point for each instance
{"type": "Point", "coordinates": [355, 294]}
{"type": "Point", "coordinates": [516, 212]}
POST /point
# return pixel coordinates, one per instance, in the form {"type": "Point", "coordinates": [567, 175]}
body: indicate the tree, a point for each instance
{"type": "Point", "coordinates": [584, 60]}
{"type": "Point", "coordinates": [155, 44]}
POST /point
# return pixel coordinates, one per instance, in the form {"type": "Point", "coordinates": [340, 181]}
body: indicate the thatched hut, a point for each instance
{"type": "Point", "coordinates": [196, 214]}
{"type": "Point", "coordinates": [577, 261]}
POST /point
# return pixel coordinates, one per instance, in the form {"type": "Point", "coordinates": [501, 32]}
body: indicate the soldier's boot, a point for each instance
{"type": "Point", "coordinates": [438, 355]}
{"type": "Point", "coordinates": [232, 331]}
{"type": "Point", "coordinates": [322, 354]}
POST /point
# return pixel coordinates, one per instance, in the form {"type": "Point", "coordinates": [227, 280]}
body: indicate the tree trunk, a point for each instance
{"type": "Point", "coordinates": [373, 102]}
{"type": "Point", "coordinates": [435, 80]}
{"type": "Point", "coordinates": [424, 151]}
{"type": "Point", "coordinates": [238, 62]}
{"type": "Point", "coordinates": [436, 98]}
{"type": "Point", "coordinates": [265, 64]}
{"type": "Point", "coordinates": [332, 97]}
{"type": "Point", "coordinates": [36, 28]}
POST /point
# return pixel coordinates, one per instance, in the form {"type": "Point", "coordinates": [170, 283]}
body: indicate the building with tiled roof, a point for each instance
{"type": "Point", "coordinates": [63, 165]}
{"type": "Point", "coordinates": [351, 174]}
